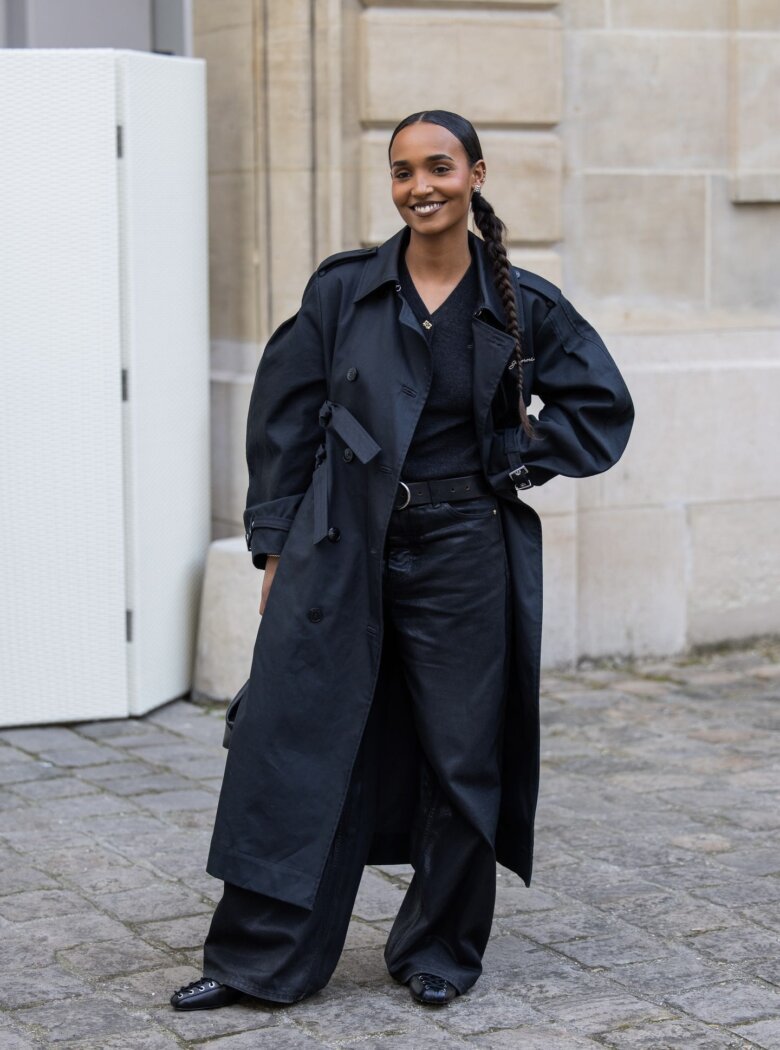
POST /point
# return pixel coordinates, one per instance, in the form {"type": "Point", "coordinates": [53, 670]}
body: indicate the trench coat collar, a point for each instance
{"type": "Point", "coordinates": [383, 268]}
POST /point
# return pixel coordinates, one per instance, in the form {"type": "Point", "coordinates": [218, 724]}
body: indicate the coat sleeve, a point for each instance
{"type": "Point", "coordinates": [587, 415]}
{"type": "Point", "coordinates": [283, 429]}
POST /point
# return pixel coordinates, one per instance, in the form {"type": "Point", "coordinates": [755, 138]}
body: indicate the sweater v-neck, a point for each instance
{"type": "Point", "coordinates": [418, 303]}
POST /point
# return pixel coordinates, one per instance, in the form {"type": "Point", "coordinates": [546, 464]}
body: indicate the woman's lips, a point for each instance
{"type": "Point", "coordinates": [428, 209]}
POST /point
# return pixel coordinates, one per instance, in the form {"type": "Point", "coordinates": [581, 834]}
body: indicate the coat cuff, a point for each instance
{"type": "Point", "coordinates": [265, 541]}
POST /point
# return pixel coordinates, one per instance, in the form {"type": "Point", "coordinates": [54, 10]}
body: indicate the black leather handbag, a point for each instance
{"type": "Point", "coordinates": [232, 711]}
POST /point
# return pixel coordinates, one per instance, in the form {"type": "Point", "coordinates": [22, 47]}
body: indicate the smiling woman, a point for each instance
{"type": "Point", "coordinates": [391, 715]}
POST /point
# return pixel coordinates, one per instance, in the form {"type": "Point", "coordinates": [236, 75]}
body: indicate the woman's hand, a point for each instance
{"type": "Point", "coordinates": [271, 564]}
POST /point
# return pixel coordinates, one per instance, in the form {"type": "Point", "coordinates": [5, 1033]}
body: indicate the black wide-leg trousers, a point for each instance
{"type": "Point", "coordinates": [446, 595]}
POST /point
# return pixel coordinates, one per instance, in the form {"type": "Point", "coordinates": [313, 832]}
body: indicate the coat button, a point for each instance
{"type": "Point", "coordinates": [349, 455]}
{"type": "Point", "coordinates": [334, 534]}
{"type": "Point", "coordinates": [315, 615]}
{"type": "Point", "coordinates": [352, 374]}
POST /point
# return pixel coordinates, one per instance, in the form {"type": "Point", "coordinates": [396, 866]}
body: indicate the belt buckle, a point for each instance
{"type": "Point", "coordinates": [400, 506]}
{"type": "Point", "coordinates": [520, 479]}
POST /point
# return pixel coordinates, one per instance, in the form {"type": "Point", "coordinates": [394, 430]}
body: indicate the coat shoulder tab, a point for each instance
{"type": "Point", "coordinates": [341, 257]}
{"type": "Point", "coordinates": [538, 284]}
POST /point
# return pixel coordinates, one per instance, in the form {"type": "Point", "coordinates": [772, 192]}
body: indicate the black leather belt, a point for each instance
{"type": "Point", "coordinates": [435, 490]}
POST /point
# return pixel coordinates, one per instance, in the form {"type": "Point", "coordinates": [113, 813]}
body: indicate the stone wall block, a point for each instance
{"type": "Point", "coordinates": [670, 14]}
{"type": "Point", "coordinates": [638, 238]}
{"type": "Point", "coordinates": [230, 86]}
{"type": "Point", "coordinates": [744, 252]}
{"type": "Point", "coordinates": [637, 100]}
{"type": "Point", "coordinates": [584, 14]}
{"type": "Point", "coordinates": [518, 57]}
{"type": "Point", "coordinates": [631, 581]}
{"type": "Point", "coordinates": [545, 263]}
{"type": "Point", "coordinates": [735, 578]}
{"type": "Point", "coordinates": [696, 437]}
{"type": "Point", "coordinates": [758, 103]}
{"type": "Point", "coordinates": [229, 477]}
{"type": "Point", "coordinates": [559, 628]}
{"type": "Point", "coordinates": [758, 14]}
{"type": "Point", "coordinates": [208, 15]}
{"type": "Point", "coordinates": [232, 280]}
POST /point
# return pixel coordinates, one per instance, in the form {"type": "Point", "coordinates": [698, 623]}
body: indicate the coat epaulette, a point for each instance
{"type": "Point", "coordinates": [537, 283]}
{"type": "Point", "coordinates": [354, 253]}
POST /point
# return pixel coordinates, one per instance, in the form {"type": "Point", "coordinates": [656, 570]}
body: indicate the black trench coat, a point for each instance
{"type": "Point", "coordinates": [336, 399]}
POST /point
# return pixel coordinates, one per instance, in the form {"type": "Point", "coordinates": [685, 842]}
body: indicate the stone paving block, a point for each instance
{"type": "Point", "coordinates": [18, 876]}
{"type": "Point", "coordinates": [37, 941]}
{"type": "Point", "coordinates": [188, 932]}
{"type": "Point", "coordinates": [410, 1041]}
{"type": "Point", "coordinates": [75, 811]}
{"type": "Point", "coordinates": [737, 946]}
{"type": "Point", "coordinates": [25, 768]}
{"type": "Point", "coordinates": [363, 968]}
{"type": "Point", "coordinates": [765, 1034]}
{"type": "Point", "coordinates": [533, 1037]}
{"type": "Point", "coordinates": [593, 1014]}
{"type": "Point", "coordinates": [158, 901]}
{"type": "Point", "coordinates": [143, 1039]}
{"type": "Point", "coordinates": [35, 739]}
{"type": "Point", "coordinates": [480, 1010]}
{"type": "Point", "coordinates": [332, 1019]}
{"type": "Point", "coordinates": [114, 771]}
{"type": "Point", "coordinates": [754, 862]}
{"type": "Point", "coordinates": [13, 1040]}
{"type": "Point", "coordinates": [146, 782]}
{"type": "Point", "coordinates": [52, 787]}
{"type": "Point", "coordinates": [110, 876]}
{"type": "Point", "coordinates": [28, 986]}
{"type": "Point", "coordinates": [168, 802]}
{"type": "Point", "coordinates": [86, 754]}
{"type": "Point", "coordinates": [247, 1015]}
{"type": "Point", "coordinates": [276, 1039]}
{"type": "Point", "coordinates": [363, 935]}
{"type": "Point", "coordinates": [670, 1035]}
{"type": "Point", "coordinates": [86, 1018]}
{"type": "Point", "coordinates": [38, 904]}
{"type": "Point", "coordinates": [107, 958]}
{"type": "Point", "coordinates": [615, 949]}
{"type": "Point", "coordinates": [730, 1003]}
{"type": "Point", "coordinates": [377, 898]}
{"type": "Point", "coordinates": [148, 989]}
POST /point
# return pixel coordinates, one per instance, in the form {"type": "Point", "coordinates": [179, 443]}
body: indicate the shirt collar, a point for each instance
{"type": "Point", "coordinates": [384, 267]}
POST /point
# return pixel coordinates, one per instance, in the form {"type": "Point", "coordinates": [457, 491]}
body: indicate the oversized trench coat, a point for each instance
{"type": "Point", "coordinates": [337, 396]}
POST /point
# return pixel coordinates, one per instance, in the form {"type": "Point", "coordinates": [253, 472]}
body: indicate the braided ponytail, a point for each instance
{"type": "Point", "coordinates": [492, 230]}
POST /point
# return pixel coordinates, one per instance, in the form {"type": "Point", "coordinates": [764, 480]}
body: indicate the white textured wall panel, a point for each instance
{"type": "Point", "coordinates": [163, 210]}
{"type": "Point", "coordinates": [62, 573]}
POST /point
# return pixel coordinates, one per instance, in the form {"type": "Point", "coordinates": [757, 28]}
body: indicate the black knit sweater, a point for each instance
{"type": "Point", "coordinates": [444, 443]}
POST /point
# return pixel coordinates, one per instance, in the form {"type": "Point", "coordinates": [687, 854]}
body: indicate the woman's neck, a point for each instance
{"type": "Point", "coordinates": [438, 259]}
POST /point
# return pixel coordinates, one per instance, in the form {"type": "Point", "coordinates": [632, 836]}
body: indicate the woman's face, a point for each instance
{"type": "Point", "coordinates": [432, 179]}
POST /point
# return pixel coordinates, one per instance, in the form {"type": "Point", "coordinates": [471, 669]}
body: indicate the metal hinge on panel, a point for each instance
{"type": "Point", "coordinates": [128, 625]}
{"type": "Point", "coordinates": [124, 384]}
{"type": "Point", "coordinates": [119, 140]}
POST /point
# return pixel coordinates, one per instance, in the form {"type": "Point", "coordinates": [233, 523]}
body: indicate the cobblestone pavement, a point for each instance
{"type": "Point", "coordinates": [653, 920]}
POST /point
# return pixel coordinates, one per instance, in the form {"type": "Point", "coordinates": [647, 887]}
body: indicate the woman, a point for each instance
{"type": "Point", "coordinates": [392, 710]}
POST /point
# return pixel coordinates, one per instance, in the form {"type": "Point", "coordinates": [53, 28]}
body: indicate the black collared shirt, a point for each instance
{"type": "Point", "coordinates": [445, 440]}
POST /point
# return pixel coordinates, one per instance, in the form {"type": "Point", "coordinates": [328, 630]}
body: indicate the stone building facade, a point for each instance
{"type": "Point", "coordinates": [633, 150]}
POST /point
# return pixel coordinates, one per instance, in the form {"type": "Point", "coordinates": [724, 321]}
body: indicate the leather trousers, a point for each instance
{"type": "Point", "coordinates": [446, 597]}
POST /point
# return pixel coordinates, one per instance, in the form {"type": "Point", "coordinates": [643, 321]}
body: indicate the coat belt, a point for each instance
{"type": "Point", "coordinates": [340, 419]}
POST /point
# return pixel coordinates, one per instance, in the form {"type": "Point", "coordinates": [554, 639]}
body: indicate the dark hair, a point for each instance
{"type": "Point", "coordinates": [489, 225]}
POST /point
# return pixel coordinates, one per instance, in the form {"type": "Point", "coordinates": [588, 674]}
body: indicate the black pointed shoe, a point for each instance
{"type": "Point", "coordinates": [432, 989]}
{"type": "Point", "coordinates": [204, 994]}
